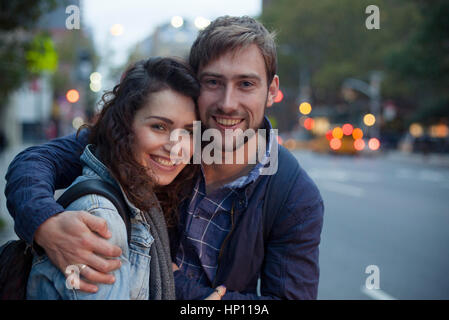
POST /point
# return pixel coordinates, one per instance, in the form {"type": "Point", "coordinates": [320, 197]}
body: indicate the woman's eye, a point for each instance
{"type": "Point", "coordinates": [158, 127]}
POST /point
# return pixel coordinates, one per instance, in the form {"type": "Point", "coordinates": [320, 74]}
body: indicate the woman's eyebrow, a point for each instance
{"type": "Point", "coordinates": [160, 118]}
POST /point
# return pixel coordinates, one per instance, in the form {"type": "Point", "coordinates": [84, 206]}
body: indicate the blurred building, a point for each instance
{"type": "Point", "coordinates": [168, 40]}
{"type": "Point", "coordinates": [173, 38]}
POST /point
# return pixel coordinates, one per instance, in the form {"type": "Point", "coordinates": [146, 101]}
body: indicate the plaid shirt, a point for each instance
{"type": "Point", "coordinates": [208, 222]}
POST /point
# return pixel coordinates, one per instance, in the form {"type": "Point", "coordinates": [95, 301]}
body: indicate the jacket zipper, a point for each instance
{"type": "Point", "coordinates": [223, 245]}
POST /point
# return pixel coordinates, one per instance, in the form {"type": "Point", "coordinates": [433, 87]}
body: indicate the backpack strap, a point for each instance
{"type": "Point", "coordinates": [102, 188]}
{"type": "Point", "coordinates": [278, 189]}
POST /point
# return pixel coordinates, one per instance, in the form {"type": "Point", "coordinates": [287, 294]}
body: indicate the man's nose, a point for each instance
{"type": "Point", "coordinates": [230, 101]}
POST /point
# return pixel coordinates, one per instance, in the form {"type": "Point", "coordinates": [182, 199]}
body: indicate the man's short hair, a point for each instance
{"type": "Point", "coordinates": [226, 34]}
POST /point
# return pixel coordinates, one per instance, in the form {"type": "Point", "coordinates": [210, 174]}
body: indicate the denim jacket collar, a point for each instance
{"type": "Point", "coordinates": [91, 162]}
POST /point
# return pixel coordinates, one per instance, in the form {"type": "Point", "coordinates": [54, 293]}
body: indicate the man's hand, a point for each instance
{"type": "Point", "coordinates": [77, 237]}
{"type": "Point", "coordinates": [217, 294]}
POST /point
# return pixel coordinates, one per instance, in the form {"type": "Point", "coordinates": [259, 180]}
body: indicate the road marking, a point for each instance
{"type": "Point", "coordinates": [377, 294]}
{"type": "Point", "coordinates": [343, 188]}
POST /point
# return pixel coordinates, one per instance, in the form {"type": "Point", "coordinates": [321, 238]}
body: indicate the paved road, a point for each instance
{"type": "Point", "coordinates": [385, 212]}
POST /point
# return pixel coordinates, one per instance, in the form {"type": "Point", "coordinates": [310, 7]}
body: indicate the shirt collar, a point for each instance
{"type": "Point", "coordinates": [244, 181]}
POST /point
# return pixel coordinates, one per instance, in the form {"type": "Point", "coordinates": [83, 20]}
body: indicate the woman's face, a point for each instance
{"type": "Point", "coordinates": [164, 112]}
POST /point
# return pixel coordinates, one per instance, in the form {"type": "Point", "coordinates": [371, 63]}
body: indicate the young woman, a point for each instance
{"type": "Point", "coordinates": [130, 148]}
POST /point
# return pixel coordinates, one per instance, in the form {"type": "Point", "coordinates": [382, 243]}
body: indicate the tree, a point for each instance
{"type": "Point", "coordinates": [422, 63]}
{"type": "Point", "coordinates": [329, 40]}
{"type": "Point", "coordinates": [17, 19]}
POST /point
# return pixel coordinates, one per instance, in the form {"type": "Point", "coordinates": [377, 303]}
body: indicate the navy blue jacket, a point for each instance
{"type": "Point", "coordinates": [287, 264]}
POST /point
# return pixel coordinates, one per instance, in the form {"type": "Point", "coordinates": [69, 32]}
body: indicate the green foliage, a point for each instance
{"type": "Point", "coordinates": [41, 55]}
{"type": "Point", "coordinates": [17, 18]}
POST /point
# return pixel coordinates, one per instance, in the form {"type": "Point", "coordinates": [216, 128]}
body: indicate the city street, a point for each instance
{"type": "Point", "coordinates": [386, 211]}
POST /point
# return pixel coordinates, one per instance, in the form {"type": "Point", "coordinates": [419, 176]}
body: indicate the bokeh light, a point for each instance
{"type": "Point", "coordinates": [359, 144]}
{"type": "Point", "coordinates": [416, 130]}
{"type": "Point", "coordinates": [177, 21]}
{"type": "Point", "coordinates": [335, 144]}
{"type": "Point", "coordinates": [116, 30]}
{"type": "Point", "coordinates": [72, 96]}
{"type": "Point", "coordinates": [95, 86]}
{"type": "Point", "coordinates": [305, 108]}
{"type": "Point", "coordinates": [337, 133]}
{"type": "Point", "coordinates": [279, 97]}
{"type": "Point", "coordinates": [77, 122]}
{"type": "Point", "coordinates": [369, 119]}
{"type": "Point", "coordinates": [95, 77]}
{"type": "Point", "coordinates": [374, 144]}
{"type": "Point", "coordinates": [347, 129]}
{"type": "Point", "coordinates": [357, 133]}
{"type": "Point", "coordinates": [329, 135]}
{"type": "Point", "coordinates": [201, 22]}
{"type": "Point", "coordinates": [309, 123]}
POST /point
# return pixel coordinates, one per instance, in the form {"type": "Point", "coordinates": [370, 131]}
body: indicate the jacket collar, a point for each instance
{"type": "Point", "coordinates": [90, 160]}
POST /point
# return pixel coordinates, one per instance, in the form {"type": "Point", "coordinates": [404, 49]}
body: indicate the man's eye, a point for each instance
{"type": "Point", "coordinates": [246, 84]}
{"type": "Point", "coordinates": [211, 83]}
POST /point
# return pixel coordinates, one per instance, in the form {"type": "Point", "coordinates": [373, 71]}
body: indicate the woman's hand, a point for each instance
{"type": "Point", "coordinates": [217, 294]}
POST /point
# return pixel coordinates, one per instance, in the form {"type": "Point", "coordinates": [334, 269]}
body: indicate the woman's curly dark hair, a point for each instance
{"type": "Point", "coordinates": [114, 138]}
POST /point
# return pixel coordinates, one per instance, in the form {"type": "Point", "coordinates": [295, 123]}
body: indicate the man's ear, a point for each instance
{"type": "Point", "coordinates": [273, 90]}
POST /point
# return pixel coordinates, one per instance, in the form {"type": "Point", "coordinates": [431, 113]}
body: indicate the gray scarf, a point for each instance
{"type": "Point", "coordinates": [162, 285]}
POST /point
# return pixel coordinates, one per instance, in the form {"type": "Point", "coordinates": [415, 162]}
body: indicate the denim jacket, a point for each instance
{"type": "Point", "coordinates": [46, 281]}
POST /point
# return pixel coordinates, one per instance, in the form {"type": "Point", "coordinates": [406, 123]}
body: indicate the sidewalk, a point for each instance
{"type": "Point", "coordinates": [7, 231]}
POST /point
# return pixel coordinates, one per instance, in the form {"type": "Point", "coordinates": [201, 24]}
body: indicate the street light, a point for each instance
{"type": "Point", "coordinates": [201, 22]}
{"type": "Point", "coordinates": [372, 90]}
{"type": "Point", "coordinates": [177, 21]}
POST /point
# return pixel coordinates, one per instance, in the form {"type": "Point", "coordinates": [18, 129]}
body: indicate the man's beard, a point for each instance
{"type": "Point", "coordinates": [237, 143]}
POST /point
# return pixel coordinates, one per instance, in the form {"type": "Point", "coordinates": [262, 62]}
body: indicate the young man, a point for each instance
{"type": "Point", "coordinates": [221, 234]}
